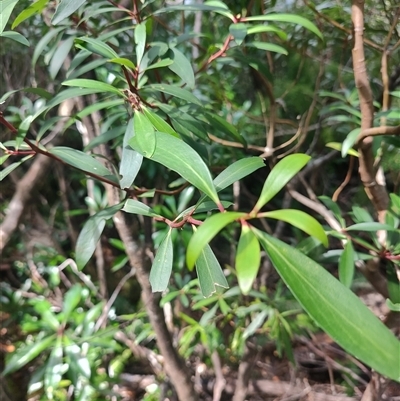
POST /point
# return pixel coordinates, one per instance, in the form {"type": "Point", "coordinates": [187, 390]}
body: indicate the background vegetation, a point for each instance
{"type": "Point", "coordinates": [198, 199]}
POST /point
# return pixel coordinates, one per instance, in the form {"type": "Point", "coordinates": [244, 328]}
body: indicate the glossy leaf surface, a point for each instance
{"type": "Point", "coordinates": [301, 220]}
{"type": "Point", "coordinates": [279, 176]}
{"type": "Point", "coordinates": [65, 9]}
{"type": "Point", "coordinates": [336, 309]}
{"type": "Point", "coordinates": [180, 157]}
{"type": "Point", "coordinates": [206, 232]}
{"type": "Point", "coordinates": [136, 207]}
{"type": "Point", "coordinates": [145, 136]}
{"type": "Point", "coordinates": [248, 257]}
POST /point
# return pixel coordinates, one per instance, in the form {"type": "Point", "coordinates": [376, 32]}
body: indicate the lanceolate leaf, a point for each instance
{"type": "Point", "coordinates": [87, 240]}
{"type": "Point", "coordinates": [162, 265]}
{"type": "Point", "coordinates": [7, 7]}
{"type": "Point", "coordinates": [206, 232]}
{"type": "Point", "coordinates": [145, 137]}
{"type": "Point", "coordinates": [209, 272]}
{"type": "Point", "coordinates": [96, 46]}
{"type": "Point", "coordinates": [17, 37]}
{"type": "Point", "coordinates": [346, 265]}
{"type": "Point", "coordinates": [177, 92]}
{"type": "Point", "coordinates": [80, 160]}
{"type": "Point", "coordinates": [131, 160]}
{"type": "Point", "coordinates": [296, 19]}
{"type": "Point", "coordinates": [140, 40]}
{"type": "Point", "coordinates": [236, 171]}
{"type": "Point", "coordinates": [301, 220]}
{"type": "Point", "coordinates": [350, 141]}
{"type": "Point", "coordinates": [279, 176]}
{"type": "Point", "coordinates": [182, 67]}
{"type": "Point", "coordinates": [26, 354]}
{"type": "Point", "coordinates": [238, 31]}
{"type": "Point", "coordinates": [53, 372]}
{"type": "Point", "coordinates": [71, 300]}
{"type": "Point", "coordinates": [11, 167]}
{"type": "Point", "coordinates": [34, 8]}
{"type": "Point", "coordinates": [65, 9]}
{"type": "Point", "coordinates": [248, 258]}
{"type": "Point", "coordinates": [92, 84]}
{"type": "Point", "coordinates": [269, 47]}
{"type": "Point", "coordinates": [136, 207]}
{"type": "Point", "coordinates": [370, 226]}
{"type": "Point", "coordinates": [336, 309]}
{"type": "Point", "coordinates": [158, 123]}
{"type": "Point", "coordinates": [180, 157]}
{"type": "Point", "coordinates": [90, 234]}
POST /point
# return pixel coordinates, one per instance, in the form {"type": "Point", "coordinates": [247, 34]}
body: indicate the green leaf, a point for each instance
{"type": "Point", "coordinates": [177, 92]}
{"type": "Point", "coordinates": [16, 37]}
{"type": "Point", "coordinates": [140, 40]}
{"type": "Point", "coordinates": [162, 264]}
{"type": "Point", "coordinates": [90, 234]}
{"type": "Point", "coordinates": [350, 141]}
{"type": "Point", "coordinates": [34, 8]}
{"type": "Point", "coordinates": [10, 168]}
{"type": "Point", "coordinates": [71, 301]}
{"type": "Point", "coordinates": [131, 161]}
{"type": "Point", "coordinates": [54, 369]}
{"type": "Point", "coordinates": [158, 123]}
{"type": "Point", "coordinates": [59, 56]}
{"type": "Point", "coordinates": [64, 95]}
{"type": "Point", "coordinates": [395, 307]}
{"type": "Point", "coordinates": [80, 160]}
{"type": "Point", "coordinates": [346, 265]}
{"type": "Point", "coordinates": [248, 257]}
{"type": "Point", "coordinates": [27, 353]}
{"type": "Point", "coordinates": [269, 47]}
{"type": "Point", "coordinates": [181, 66]}
{"type": "Point", "coordinates": [87, 240]}
{"type": "Point", "coordinates": [44, 42]}
{"type": "Point", "coordinates": [301, 220]}
{"type": "Point", "coordinates": [370, 226]}
{"type": "Point", "coordinates": [338, 146]}
{"type": "Point", "coordinates": [96, 46]}
{"type": "Point", "coordinates": [266, 28]}
{"type": "Point", "coordinates": [220, 124]}
{"type": "Point", "coordinates": [237, 170]}
{"type": "Point", "coordinates": [145, 137]}
{"type": "Point", "coordinates": [209, 272]}
{"type": "Point", "coordinates": [159, 64]}
{"type": "Point", "coordinates": [135, 207]}
{"type": "Point", "coordinates": [7, 7]}
{"type": "Point", "coordinates": [279, 176]}
{"type": "Point", "coordinates": [214, 6]}
{"type": "Point", "coordinates": [336, 309]}
{"type": "Point", "coordinates": [123, 61]}
{"type": "Point", "coordinates": [180, 157]}
{"type": "Point", "coordinates": [296, 19]}
{"type": "Point", "coordinates": [206, 232]}
{"type": "Point", "coordinates": [65, 9]}
{"type": "Point", "coordinates": [238, 31]}
{"type": "Point", "coordinates": [92, 84]}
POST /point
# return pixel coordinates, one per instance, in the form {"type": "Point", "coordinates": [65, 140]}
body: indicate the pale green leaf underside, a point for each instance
{"type": "Point", "coordinates": [209, 272]}
{"type": "Point", "coordinates": [178, 156]}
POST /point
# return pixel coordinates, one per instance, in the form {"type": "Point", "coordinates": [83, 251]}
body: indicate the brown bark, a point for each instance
{"type": "Point", "coordinates": [375, 191]}
{"type": "Point", "coordinates": [175, 366]}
